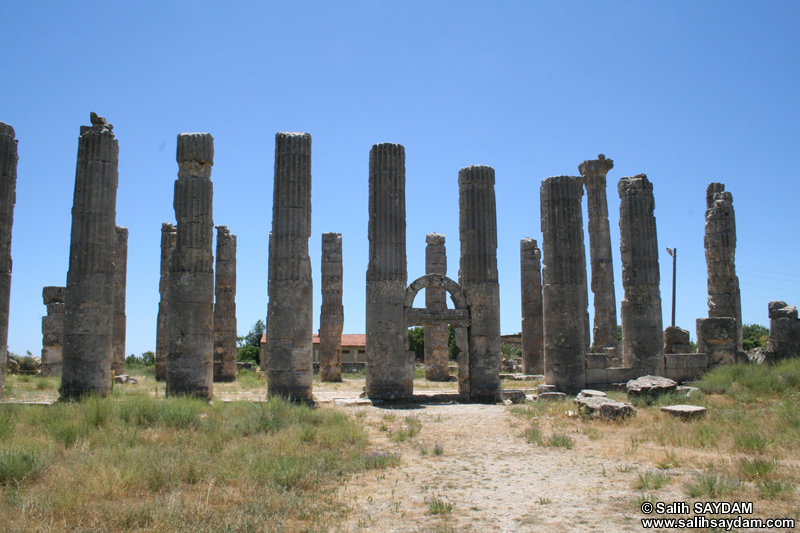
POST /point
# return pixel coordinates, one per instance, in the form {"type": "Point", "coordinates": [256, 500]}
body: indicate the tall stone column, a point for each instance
{"type": "Point", "coordinates": [225, 307]}
{"type": "Point", "coordinates": [642, 331]}
{"type": "Point", "coordinates": [169, 236]}
{"type": "Point", "coordinates": [53, 329]}
{"type": "Point", "coordinates": [8, 196]}
{"type": "Point", "coordinates": [532, 311]}
{"type": "Point", "coordinates": [120, 286]}
{"type": "Point", "coordinates": [291, 299]}
{"type": "Point", "coordinates": [437, 353]}
{"type": "Point", "coordinates": [478, 277]}
{"type": "Point", "coordinates": [190, 343]}
{"type": "Point", "coordinates": [593, 176]}
{"type": "Point", "coordinates": [390, 368]}
{"type": "Point", "coordinates": [724, 298]}
{"type": "Point", "coordinates": [88, 322]}
{"type": "Point", "coordinates": [331, 318]}
{"type": "Point", "coordinates": [564, 299]}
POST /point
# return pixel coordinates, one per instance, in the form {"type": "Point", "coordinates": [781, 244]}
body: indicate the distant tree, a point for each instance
{"type": "Point", "coordinates": [149, 358]}
{"type": "Point", "coordinates": [452, 349]}
{"type": "Point", "coordinates": [754, 336]}
{"type": "Point", "coordinates": [250, 345]}
{"type": "Point", "coordinates": [416, 341]}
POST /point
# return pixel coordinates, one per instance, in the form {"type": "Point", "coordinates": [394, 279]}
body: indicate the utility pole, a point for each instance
{"type": "Point", "coordinates": [673, 252]}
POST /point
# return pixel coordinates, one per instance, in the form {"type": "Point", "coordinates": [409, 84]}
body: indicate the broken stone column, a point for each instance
{"type": "Point", "coordinates": [53, 329]}
{"type": "Point", "coordinates": [593, 176]}
{"type": "Point", "coordinates": [532, 317]}
{"type": "Point", "coordinates": [168, 240]}
{"type": "Point", "coordinates": [225, 307]}
{"type": "Point", "coordinates": [291, 298]}
{"type": "Point", "coordinates": [564, 298]}
{"type": "Point", "coordinates": [331, 318]}
{"type": "Point", "coordinates": [477, 230]}
{"type": "Point", "coordinates": [437, 353]}
{"type": "Point", "coordinates": [784, 331]}
{"type": "Point", "coordinates": [716, 337]}
{"type": "Point", "coordinates": [642, 334]}
{"type": "Point", "coordinates": [390, 368]}
{"type": "Point", "coordinates": [88, 322]}
{"type": "Point", "coordinates": [8, 196]}
{"type": "Point", "coordinates": [190, 342]}
{"type": "Point", "coordinates": [120, 285]}
{"type": "Point", "coordinates": [724, 298]}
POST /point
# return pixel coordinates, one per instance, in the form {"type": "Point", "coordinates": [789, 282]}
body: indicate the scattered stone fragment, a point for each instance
{"type": "Point", "coordinates": [545, 388]}
{"type": "Point", "coordinates": [604, 408]}
{"type": "Point", "coordinates": [551, 396]}
{"type": "Point", "coordinates": [691, 392]}
{"type": "Point", "coordinates": [650, 386]}
{"type": "Point", "coordinates": [685, 412]}
{"type": "Point", "coordinates": [590, 393]}
{"type": "Point", "coordinates": [510, 396]}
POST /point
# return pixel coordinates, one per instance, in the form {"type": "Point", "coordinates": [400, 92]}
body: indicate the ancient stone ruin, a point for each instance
{"type": "Point", "coordinates": [88, 322]}
{"type": "Point", "coordinates": [168, 240]}
{"type": "Point", "coordinates": [331, 317]}
{"type": "Point", "coordinates": [532, 308]}
{"type": "Point", "coordinates": [8, 195]}
{"type": "Point", "coordinates": [291, 298]}
{"type": "Point", "coordinates": [120, 284]}
{"type": "Point", "coordinates": [53, 329]}
{"type": "Point", "coordinates": [784, 331]}
{"type": "Point", "coordinates": [225, 307]}
{"type": "Point", "coordinates": [437, 356]}
{"type": "Point", "coordinates": [190, 343]}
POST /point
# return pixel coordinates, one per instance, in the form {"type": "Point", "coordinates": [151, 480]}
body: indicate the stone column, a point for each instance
{"type": "Point", "coordinates": [437, 353]}
{"type": "Point", "coordinates": [168, 237]}
{"type": "Point", "coordinates": [593, 176]}
{"type": "Point", "coordinates": [291, 299]}
{"type": "Point", "coordinates": [88, 322]}
{"type": "Point", "coordinates": [390, 368]}
{"type": "Point", "coordinates": [478, 277]}
{"type": "Point", "coordinates": [120, 285]}
{"type": "Point", "coordinates": [190, 343]}
{"type": "Point", "coordinates": [225, 307]}
{"type": "Point", "coordinates": [724, 298]}
{"type": "Point", "coordinates": [331, 317]}
{"type": "Point", "coordinates": [8, 195]}
{"type": "Point", "coordinates": [532, 317]}
{"type": "Point", "coordinates": [53, 329]}
{"type": "Point", "coordinates": [642, 334]}
{"type": "Point", "coordinates": [564, 299]}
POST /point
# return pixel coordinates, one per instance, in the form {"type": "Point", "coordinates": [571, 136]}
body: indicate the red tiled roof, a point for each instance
{"type": "Point", "coordinates": [348, 339]}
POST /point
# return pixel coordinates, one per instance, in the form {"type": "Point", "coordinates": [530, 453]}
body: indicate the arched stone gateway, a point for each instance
{"type": "Point", "coordinates": [459, 318]}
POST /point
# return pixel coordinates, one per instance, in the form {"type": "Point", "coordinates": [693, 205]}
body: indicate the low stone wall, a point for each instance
{"type": "Point", "coordinates": [677, 366]}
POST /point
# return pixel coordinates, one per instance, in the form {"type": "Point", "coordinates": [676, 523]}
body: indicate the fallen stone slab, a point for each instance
{"type": "Point", "coordinates": [545, 388]}
{"type": "Point", "coordinates": [552, 396]}
{"type": "Point", "coordinates": [690, 392]}
{"type": "Point", "coordinates": [604, 408]}
{"type": "Point", "coordinates": [651, 386]}
{"type": "Point", "coordinates": [685, 412]}
{"type": "Point", "coordinates": [590, 393]}
{"type": "Point", "coordinates": [512, 396]}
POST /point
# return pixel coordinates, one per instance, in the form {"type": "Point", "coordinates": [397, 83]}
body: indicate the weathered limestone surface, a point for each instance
{"type": "Point", "coordinates": [169, 235]}
{"type": "Point", "coordinates": [190, 343]}
{"type": "Point", "coordinates": [8, 196]}
{"type": "Point", "coordinates": [225, 307]}
{"type": "Point", "coordinates": [478, 277]}
{"type": "Point", "coordinates": [120, 287]}
{"type": "Point", "coordinates": [716, 337]}
{"type": "Point", "coordinates": [784, 331]}
{"type": "Point", "coordinates": [724, 298]}
{"type": "Point", "coordinates": [651, 386]}
{"type": "Point", "coordinates": [88, 321]}
{"type": "Point", "coordinates": [676, 340]}
{"type": "Point", "coordinates": [532, 310]}
{"type": "Point", "coordinates": [564, 289]}
{"type": "Point", "coordinates": [593, 176]}
{"type": "Point", "coordinates": [331, 319]}
{"type": "Point", "coordinates": [604, 408]}
{"type": "Point", "coordinates": [390, 367]}
{"type": "Point", "coordinates": [642, 332]}
{"type": "Point", "coordinates": [291, 298]}
{"type": "Point", "coordinates": [437, 357]}
{"type": "Point", "coordinates": [53, 329]}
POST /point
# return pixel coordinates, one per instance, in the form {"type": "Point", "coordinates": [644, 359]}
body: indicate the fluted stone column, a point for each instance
{"type": "Point", "coordinates": [169, 236]}
{"type": "Point", "coordinates": [390, 367]}
{"type": "Point", "coordinates": [593, 176]}
{"type": "Point", "coordinates": [564, 297]}
{"type": "Point", "coordinates": [88, 322]}
{"type": "Point", "coordinates": [642, 331]}
{"type": "Point", "coordinates": [331, 317]}
{"type": "Point", "coordinates": [437, 353]}
{"type": "Point", "coordinates": [478, 277]}
{"type": "Point", "coordinates": [724, 298]}
{"type": "Point", "coordinates": [8, 195]}
{"type": "Point", "coordinates": [291, 297]}
{"type": "Point", "coordinates": [532, 310]}
{"type": "Point", "coordinates": [225, 307]}
{"type": "Point", "coordinates": [190, 343]}
{"type": "Point", "coordinates": [120, 285]}
{"type": "Point", "coordinates": [53, 329]}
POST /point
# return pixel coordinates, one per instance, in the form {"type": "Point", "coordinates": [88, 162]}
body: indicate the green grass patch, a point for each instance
{"type": "Point", "coordinates": [711, 485]}
{"type": "Point", "coordinates": [438, 506]}
{"type": "Point", "coordinates": [651, 480]}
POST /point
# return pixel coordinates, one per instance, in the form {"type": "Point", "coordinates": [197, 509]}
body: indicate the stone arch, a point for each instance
{"type": "Point", "coordinates": [436, 280]}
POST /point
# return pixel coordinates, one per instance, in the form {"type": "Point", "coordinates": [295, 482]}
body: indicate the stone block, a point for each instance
{"type": "Point", "coordinates": [685, 412]}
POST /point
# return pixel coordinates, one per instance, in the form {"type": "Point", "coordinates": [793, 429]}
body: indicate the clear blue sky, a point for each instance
{"type": "Point", "coordinates": [686, 92]}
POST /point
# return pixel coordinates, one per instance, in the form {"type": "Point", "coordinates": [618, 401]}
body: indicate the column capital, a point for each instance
{"type": "Point", "coordinates": [592, 169]}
